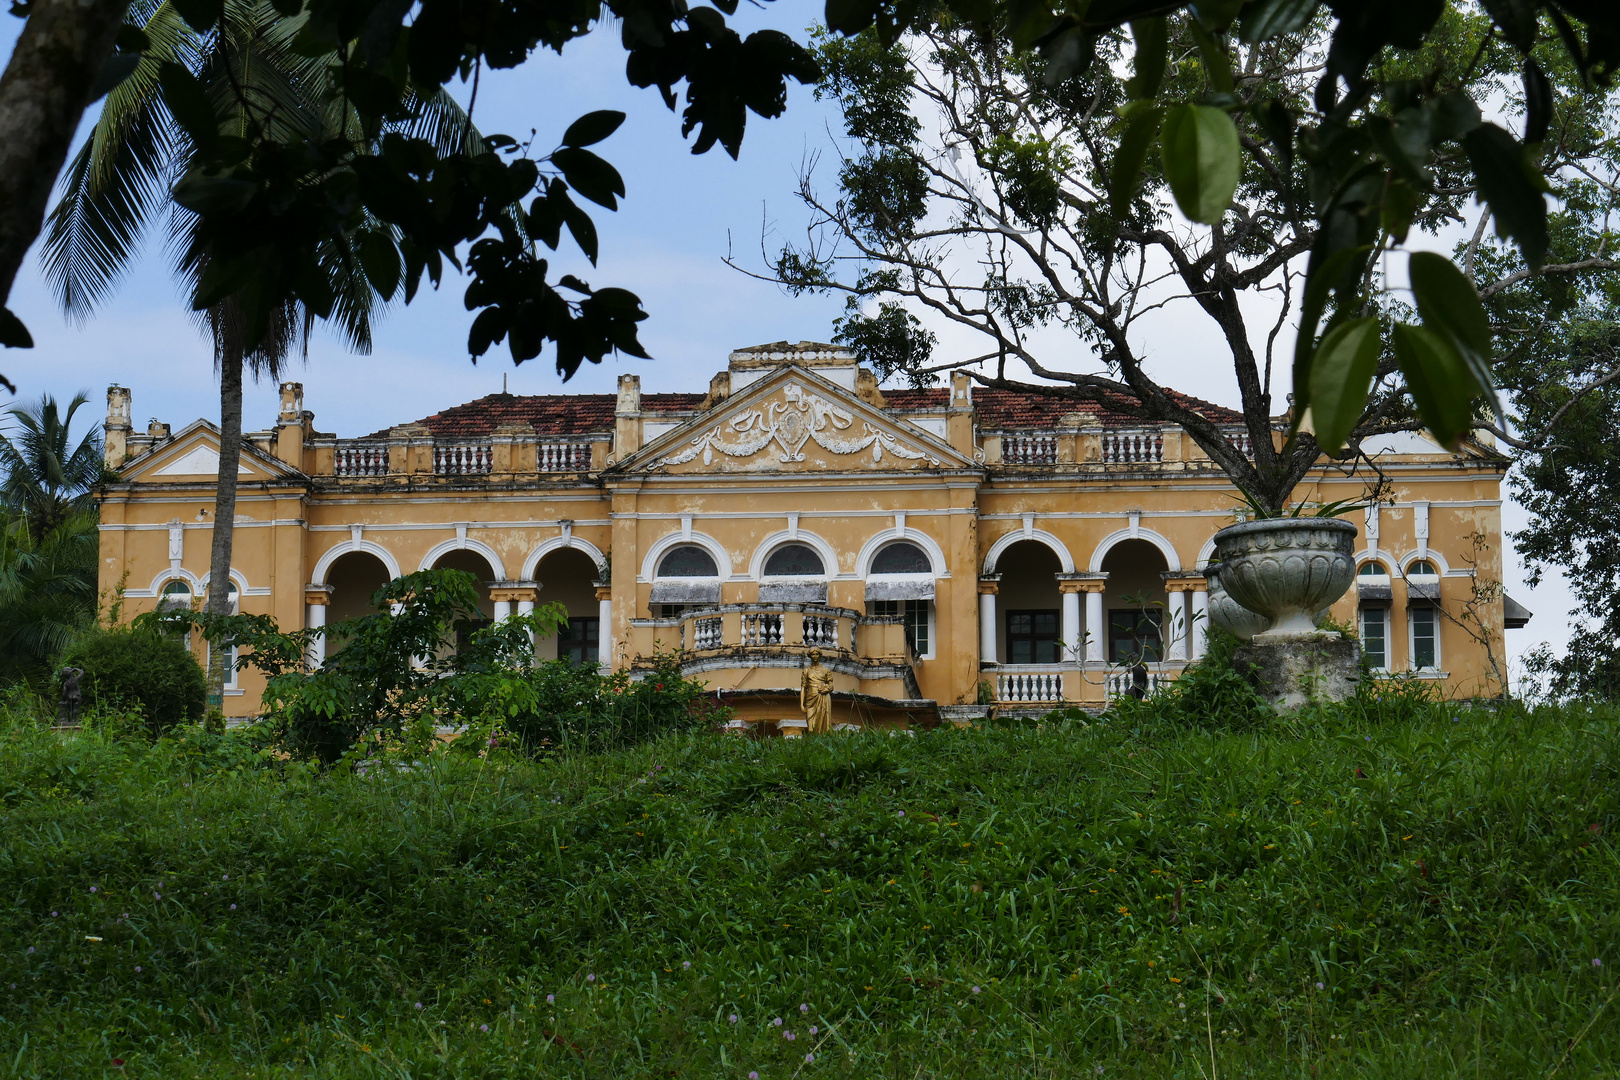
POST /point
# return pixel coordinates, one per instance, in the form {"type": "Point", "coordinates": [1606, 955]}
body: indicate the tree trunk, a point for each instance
{"type": "Point", "coordinates": [43, 95]}
{"type": "Point", "coordinates": [219, 562]}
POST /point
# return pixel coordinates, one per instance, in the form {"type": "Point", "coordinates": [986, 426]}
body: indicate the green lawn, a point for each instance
{"type": "Point", "coordinates": [1406, 891]}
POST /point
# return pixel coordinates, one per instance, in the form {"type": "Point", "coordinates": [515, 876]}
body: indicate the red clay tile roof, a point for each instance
{"type": "Point", "coordinates": [1014, 410]}
{"type": "Point", "coordinates": [581, 414]}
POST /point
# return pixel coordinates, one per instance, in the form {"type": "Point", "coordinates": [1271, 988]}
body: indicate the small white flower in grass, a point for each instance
{"type": "Point", "coordinates": [1319, 986]}
{"type": "Point", "coordinates": [812, 1029]}
{"type": "Point", "coordinates": [92, 888]}
{"type": "Point", "coordinates": [804, 1008]}
{"type": "Point", "coordinates": [483, 1027]}
{"type": "Point", "coordinates": [975, 989]}
{"type": "Point", "coordinates": [774, 1023]}
{"type": "Point", "coordinates": [137, 969]}
{"type": "Point", "coordinates": [590, 978]}
{"type": "Point", "coordinates": [808, 1058]}
{"type": "Point", "coordinates": [551, 999]}
{"type": "Point", "coordinates": [1596, 962]}
{"type": "Point", "coordinates": [30, 948]}
{"type": "Point", "coordinates": [733, 1018]}
{"type": "Point", "coordinates": [227, 877]}
{"type": "Point", "coordinates": [789, 1036]}
{"type": "Point", "coordinates": [418, 1004]}
{"type": "Point", "coordinates": [686, 963]}
{"type": "Point", "coordinates": [753, 1076]}
{"type": "Point", "coordinates": [233, 907]}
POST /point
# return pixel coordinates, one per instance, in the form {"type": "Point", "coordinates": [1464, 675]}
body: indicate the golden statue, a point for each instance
{"type": "Point", "coordinates": [815, 696]}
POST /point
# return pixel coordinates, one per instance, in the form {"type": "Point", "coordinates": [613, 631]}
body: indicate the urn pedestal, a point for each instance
{"type": "Point", "coordinates": [1288, 570]}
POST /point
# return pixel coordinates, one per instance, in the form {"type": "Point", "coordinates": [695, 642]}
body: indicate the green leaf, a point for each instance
{"type": "Point", "coordinates": [1152, 50]}
{"type": "Point", "coordinates": [1273, 18]}
{"type": "Point", "coordinates": [592, 128]}
{"type": "Point", "coordinates": [1321, 279]}
{"type": "Point", "coordinates": [379, 258]}
{"type": "Point", "coordinates": [115, 69]}
{"type": "Point", "coordinates": [1512, 187]}
{"type": "Point", "coordinates": [1398, 208]}
{"type": "Point", "coordinates": [1438, 381]}
{"type": "Point", "coordinates": [589, 175]}
{"type": "Point", "coordinates": [1451, 307]}
{"type": "Point", "coordinates": [1202, 160]}
{"type": "Point", "coordinates": [200, 15]}
{"type": "Point", "coordinates": [13, 334]}
{"type": "Point", "coordinates": [1125, 175]}
{"type": "Point", "coordinates": [1341, 374]}
{"type": "Point", "coordinates": [1538, 102]}
{"type": "Point", "coordinates": [1217, 64]}
{"type": "Point", "coordinates": [188, 102]}
{"type": "Point", "coordinates": [1216, 14]}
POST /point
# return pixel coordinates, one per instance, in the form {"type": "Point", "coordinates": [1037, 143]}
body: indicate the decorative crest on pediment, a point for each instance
{"type": "Point", "coordinates": [799, 417]}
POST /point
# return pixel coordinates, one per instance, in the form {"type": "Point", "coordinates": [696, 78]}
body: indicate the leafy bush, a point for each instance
{"type": "Point", "coordinates": [1210, 694]}
{"type": "Point", "coordinates": [139, 668]}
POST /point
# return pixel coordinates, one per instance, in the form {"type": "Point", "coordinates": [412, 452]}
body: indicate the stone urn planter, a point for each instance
{"type": "Point", "coordinates": [1287, 569]}
{"type": "Point", "coordinates": [1227, 613]}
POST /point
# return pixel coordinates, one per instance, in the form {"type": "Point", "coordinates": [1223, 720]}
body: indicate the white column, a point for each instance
{"type": "Point", "coordinates": [503, 610]}
{"type": "Point", "coordinates": [1176, 616]}
{"type": "Point", "coordinates": [1097, 638]}
{"type": "Point", "coordinates": [1071, 626]}
{"type": "Point", "coordinates": [604, 628]}
{"type": "Point", "coordinates": [987, 628]}
{"type": "Point", "coordinates": [1200, 626]}
{"type": "Point", "coordinates": [526, 607]}
{"type": "Point", "coordinates": [317, 646]}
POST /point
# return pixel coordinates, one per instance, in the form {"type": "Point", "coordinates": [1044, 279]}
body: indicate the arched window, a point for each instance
{"type": "Point", "coordinates": [794, 560]}
{"type": "Point", "coordinates": [1372, 569]}
{"type": "Point", "coordinates": [687, 561]}
{"type": "Point", "coordinates": [1420, 568]}
{"type": "Point", "coordinates": [687, 578]}
{"type": "Point", "coordinates": [901, 558]}
{"type": "Point", "coordinates": [176, 596]}
{"type": "Point", "coordinates": [900, 584]}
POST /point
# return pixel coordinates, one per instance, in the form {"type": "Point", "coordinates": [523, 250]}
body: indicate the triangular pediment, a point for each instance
{"type": "Point", "coordinates": [193, 455]}
{"type": "Point", "coordinates": [794, 421]}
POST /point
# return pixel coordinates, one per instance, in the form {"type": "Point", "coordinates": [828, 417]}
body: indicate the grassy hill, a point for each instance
{"type": "Point", "coordinates": [1388, 890]}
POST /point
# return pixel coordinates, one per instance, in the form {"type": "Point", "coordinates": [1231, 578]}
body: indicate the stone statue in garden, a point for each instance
{"type": "Point", "coordinates": [815, 696]}
{"type": "Point", "coordinates": [68, 712]}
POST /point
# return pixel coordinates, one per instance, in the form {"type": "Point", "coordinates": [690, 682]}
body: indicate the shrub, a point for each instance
{"type": "Point", "coordinates": [1210, 694]}
{"type": "Point", "coordinates": [139, 668]}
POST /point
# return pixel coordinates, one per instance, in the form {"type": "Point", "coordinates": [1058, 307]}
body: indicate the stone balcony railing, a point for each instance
{"type": "Point", "coordinates": [1085, 449]}
{"type": "Point", "coordinates": [407, 452]}
{"type": "Point", "coordinates": [1039, 687]}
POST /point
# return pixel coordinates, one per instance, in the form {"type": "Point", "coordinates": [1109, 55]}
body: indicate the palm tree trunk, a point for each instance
{"type": "Point", "coordinates": [219, 563]}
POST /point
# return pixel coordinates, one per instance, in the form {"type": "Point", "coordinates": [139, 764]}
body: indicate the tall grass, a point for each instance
{"type": "Point", "coordinates": [1413, 890]}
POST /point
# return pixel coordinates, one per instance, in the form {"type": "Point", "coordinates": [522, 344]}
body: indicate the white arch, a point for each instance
{"type": "Point", "coordinates": [1378, 555]}
{"type": "Point", "coordinates": [1432, 555]}
{"type": "Point", "coordinates": [1166, 548]}
{"type": "Point", "coordinates": [324, 565]}
{"type": "Point", "coordinates": [936, 554]}
{"type": "Point", "coordinates": [1041, 535]}
{"type": "Point", "coordinates": [649, 562]}
{"type": "Point", "coordinates": [1205, 554]}
{"type": "Point", "coordinates": [236, 576]}
{"type": "Point", "coordinates": [166, 575]}
{"type": "Point", "coordinates": [829, 557]}
{"type": "Point", "coordinates": [531, 565]}
{"type": "Point", "coordinates": [466, 543]}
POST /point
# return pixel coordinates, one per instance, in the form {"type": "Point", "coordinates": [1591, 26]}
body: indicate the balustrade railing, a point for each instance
{"type": "Point", "coordinates": [1132, 447]}
{"type": "Point", "coordinates": [822, 631]}
{"type": "Point", "coordinates": [762, 628]}
{"type": "Point", "coordinates": [1119, 683]}
{"type": "Point", "coordinates": [1029, 449]}
{"type": "Point", "coordinates": [563, 457]}
{"type": "Point", "coordinates": [1243, 441]}
{"type": "Point", "coordinates": [360, 459]}
{"type": "Point", "coordinates": [706, 634]}
{"type": "Point", "coordinates": [1031, 686]}
{"type": "Point", "coordinates": [462, 459]}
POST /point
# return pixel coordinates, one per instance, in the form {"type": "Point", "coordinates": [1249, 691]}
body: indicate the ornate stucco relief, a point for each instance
{"type": "Point", "coordinates": [790, 423]}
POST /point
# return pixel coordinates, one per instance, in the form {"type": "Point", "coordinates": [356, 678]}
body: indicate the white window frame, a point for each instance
{"type": "Point", "coordinates": [1383, 618]}
{"type": "Point", "coordinates": [1411, 638]}
{"type": "Point", "coordinates": [933, 632]}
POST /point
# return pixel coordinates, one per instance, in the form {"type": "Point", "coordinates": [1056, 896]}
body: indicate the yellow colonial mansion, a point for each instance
{"type": "Point", "coordinates": [944, 549]}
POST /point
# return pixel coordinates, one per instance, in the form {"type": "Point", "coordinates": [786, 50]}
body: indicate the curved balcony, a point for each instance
{"type": "Point", "coordinates": [762, 647]}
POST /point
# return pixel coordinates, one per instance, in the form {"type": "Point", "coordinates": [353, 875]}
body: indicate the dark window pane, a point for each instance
{"type": "Point", "coordinates": [1133, 636]}
{"type": "Point", "coordinates": [794, 560]}
{"type": "Point", "coordinates": [578, 641]}
{"type": "Point", "coordinates": [1032, 637]}
{"type": "Point", "coordinates": [688, 560]}
{"type": "Point", "coordinates": [901, 558]}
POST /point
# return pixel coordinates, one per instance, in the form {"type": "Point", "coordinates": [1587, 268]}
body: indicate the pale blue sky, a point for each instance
{"type": "Point", "coordinates": [681, 215]}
